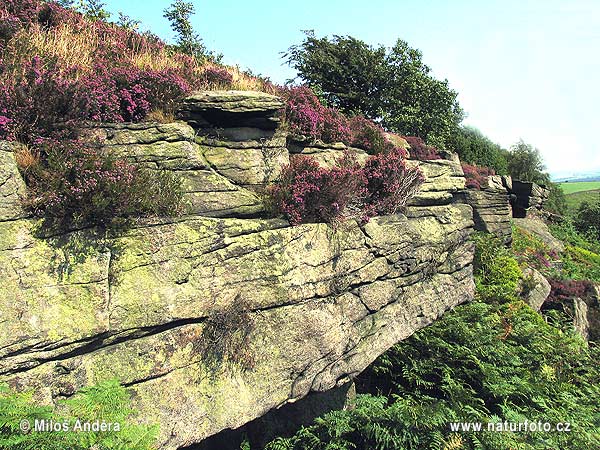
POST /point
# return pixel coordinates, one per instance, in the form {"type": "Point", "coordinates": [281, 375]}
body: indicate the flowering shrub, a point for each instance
{"type": "Point", "coordinates": [307, 192]}
{"type": "Point", "coordinates": [421, 151]}
{"type": "Point", "coordinates": [390, 184]}
{"type": "Point", "coordinates": [532, 252]}
{"type": "Point", "coordinates": [476, 175]}
{"type": "Point", "coordinates": [369, 136]}
{"type": "Point", "coordinates": [76, 184]}
{"type": "Point", "coordinates": [128, 95]}
{"type": "Point", "coordinates": [306, 116]}
{"type": "Point", "coordinates": [33, 106]}
{"type": "Point", "coordinates": [562, 290]}
{"type": "Point", "coordinates": [217, 76]}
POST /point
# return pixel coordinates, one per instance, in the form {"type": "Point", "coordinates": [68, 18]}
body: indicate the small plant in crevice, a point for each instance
{"type": "Point", "coordinates": [77, 184]}
{"type": "Point", "coordinates": [225, 338]}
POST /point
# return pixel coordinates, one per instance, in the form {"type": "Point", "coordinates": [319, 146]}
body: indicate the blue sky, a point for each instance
{"type": "Point", "coordinates": [523, 69]}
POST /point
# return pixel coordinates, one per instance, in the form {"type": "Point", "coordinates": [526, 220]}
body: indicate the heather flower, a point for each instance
{"type": "Point", "coordinates": [421, 151]}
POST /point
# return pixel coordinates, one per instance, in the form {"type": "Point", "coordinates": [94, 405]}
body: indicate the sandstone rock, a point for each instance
{"type": "Point", "coordinates": [527, 196]}
{"type": "Point", "coordinates": [538, 228]}
{"type": "Point", "coordinates": [225, 109]}
{"type": "Point", "coordinates": [172, 147]}
{"type": "Point", "coordinates": [398, 141]}
{"type": "Point", "coordinates": [440, 175]}
{"type": "Point", "coordinates": [328, 156]}
{"type": "Point", "coordinates": [12, 186]}
{"type": "Point", "coordinates": [79, 308]}
{"type": "Point", "coordinates": [539, 288]}
{"type": "Point", "coordinates": [580, 318]}
{"type": "Point", "coordinates": [491, 211]}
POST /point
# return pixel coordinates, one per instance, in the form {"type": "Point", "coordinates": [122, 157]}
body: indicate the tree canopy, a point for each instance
{"type": "Point", "coordinates": [389, 85]}
{"type": "Point", "coordinates": [525, 163]}
{"type": "Point", "coordinates": [474, 147]}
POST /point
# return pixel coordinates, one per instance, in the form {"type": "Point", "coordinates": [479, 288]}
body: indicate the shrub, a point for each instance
{"type": "Point", "coordinates": [226, 334]}
{"type": "Point", "coordinates": [369, 136]}
{"type": "Point", "coordinates": [532, 252]}
{"type": "Point", "coordinates": [562, 290]}
{"type": "Point", "coordinates": [421, 151]}
{"type": "Point", "coordinates": [77, 184]}
{"type": "Point", "coordinates": [390, 183]}
{"type": "Point", "coordinates": [587, 218]}
{"type": "Point", "coordinates": [306, 116]}
{"type": "Point", "coordinates": [33, 106]}
{"type": "Point", "coordinates": [128, 95]}
{"type": "Point", "coordinates": [307, 192]}
{"type": "Point", "coordinates": [476, 176]}
{"type": "Point", "coordinates": [217, 76]}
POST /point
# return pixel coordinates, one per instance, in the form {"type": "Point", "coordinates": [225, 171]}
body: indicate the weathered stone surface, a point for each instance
{"type": "Point", "coordinates": [398, 141]}
{"type": "Point", "coordinates": [538, 228]}
{"type": "Point", "coordinates": [226, 109]}
{"type": "Point", "coordinates": [78, 309]}
{"type": "Point", "coordinates": [441, 175]}
{"type": "Point", "coordinates": [12, 186]}
{"type": "Point", "coordinates": [328, 156]}
{"type": "Point", "coordinates": [539, 288]}
{"type": "Point", "coordinates": [249, 166]}
{"type": "Point", "coordinates": [491, 211]}
{"type": "Point", "coordinates": [527, 196]}
{"type": "Point", "coordinates": [580, 318]}
{"type": "Point", "coordinates": [172, 147]}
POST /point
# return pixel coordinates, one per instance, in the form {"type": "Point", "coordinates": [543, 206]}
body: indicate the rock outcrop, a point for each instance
{"type": "Point", "coordinates": [210, 109]}
{"type": "Point", "coordinates": [527, 196]}
{"type": "Point", "coordinates": [537, 288]}
{"type": "Point", "coordinates": [537, 227]}
{"type": "Point", "coordinates": [315, 305]}
{"type": "Point", "coordinates": [12, 186]}
{"type": "Point", "coordinates": [444, 179]}
{"type": "Point", "coordinates": [491, 207]}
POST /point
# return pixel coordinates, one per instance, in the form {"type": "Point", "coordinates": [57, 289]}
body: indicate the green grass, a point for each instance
{"type": "Point", "coordinates": [580, 186]}
{"type": "Point", "coordinates": [576, 198]}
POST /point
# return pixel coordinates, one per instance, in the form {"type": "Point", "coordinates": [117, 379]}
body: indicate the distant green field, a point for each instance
{"type": "Point", "coordinates": [576, 198]}
{"type": "Point", "coordinates": [581, 186]}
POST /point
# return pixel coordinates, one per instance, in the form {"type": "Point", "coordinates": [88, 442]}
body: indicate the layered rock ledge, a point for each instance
{"type": "Point", "coordinates": [319, 304]}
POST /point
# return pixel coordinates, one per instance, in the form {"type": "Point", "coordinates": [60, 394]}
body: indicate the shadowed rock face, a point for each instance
{"type": "Point", "coordinates": [319, 304]}
{"type": "Point", "coordinates": [231, 109]}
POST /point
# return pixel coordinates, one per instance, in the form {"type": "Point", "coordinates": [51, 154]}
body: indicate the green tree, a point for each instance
{"type": "Point", "coordinates": [93, 9]}
{"type": "Point", "coordinates": [127, 22]}
{"type": "Point", "coordinates": [557, 203]}
{"type": "Point", "coordinates": [389, 85]}
{"type": "Point", "coordinates": [587, 219]}
{"type": "Point", "coordinates": [188, 41]}
{"type": "Point", "coordinates": [474, 147]}
{"type": "Point", "coordinates": [525, 163]}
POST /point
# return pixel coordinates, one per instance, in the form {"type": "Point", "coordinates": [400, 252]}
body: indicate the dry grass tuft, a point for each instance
{"type": "Point", "coordinates": [160, 116]}
{"type": "Point", "coordinates": [26, 158]}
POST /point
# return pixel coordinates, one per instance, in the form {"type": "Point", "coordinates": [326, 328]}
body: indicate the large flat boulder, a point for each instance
{"type": "Point", "coordinates": [225, 109]}
{"type": "Point", "coordinates": [319, 305]}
